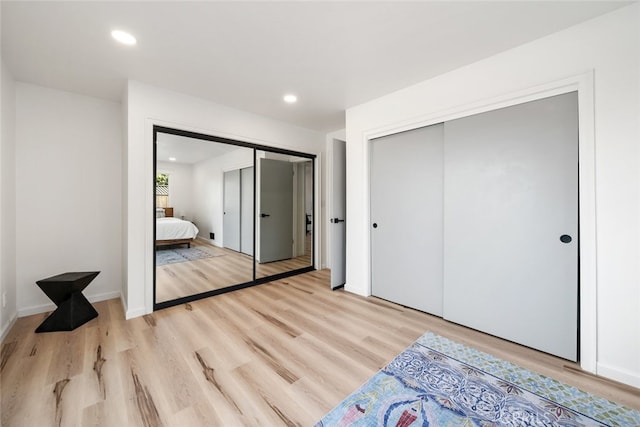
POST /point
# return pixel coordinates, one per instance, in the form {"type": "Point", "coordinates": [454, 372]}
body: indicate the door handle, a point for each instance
{"type": "Point", "coordinates": [264, 215]}
{"type": "Point", "coordinates": [336, 220]}
{"type": "Point", "coordinates": [565, 238]}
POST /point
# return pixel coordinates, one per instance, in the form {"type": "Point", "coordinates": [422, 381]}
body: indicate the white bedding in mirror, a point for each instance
{"type": "Point", "coordinates": [174, 228]}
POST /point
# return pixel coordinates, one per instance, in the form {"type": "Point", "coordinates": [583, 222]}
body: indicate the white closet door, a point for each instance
{"type": "Point", "coordinates": [406, 216]}
{"type": "Point", "coordinates": [511, 192]}
{"type": "Point", "coordinates": [231, 219]}
{"type": "Point", "coordinates": [246, 211]}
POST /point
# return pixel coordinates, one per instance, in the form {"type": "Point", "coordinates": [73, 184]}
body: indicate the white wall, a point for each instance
{"type": "Point", "coordinates": [68, 192]}
{"type": "Point", "coordinates": [148, 105]}
{"type": "Point", "coordinates": [180, 187]}
{"type": "Point", "coordinates": [610, 46]}
{"type": "Point", "coordinates": [208, 194]}
{"type": "Point", "coordinates": [8, 313]}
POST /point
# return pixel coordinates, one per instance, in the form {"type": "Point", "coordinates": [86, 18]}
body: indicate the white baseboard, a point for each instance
{"type": "Point", "coordinates": [208, 241]}
{"type": "Point", "coordinates": [7, 327]}
{"type": "Point", "coordinates": [36, 309]}
{"type": "Point", "coordinates": [130, 314]}
{"type": "Point", "coordinates": [124, 304]}
{"type": "Point", "coordinates": [43, 308]}
{"type": "Point", "coordinates": [104, 296]}
{"type": "Point", "coordinates": [357, 291]}
{"type": "Point", "coordinates": [620, 375]}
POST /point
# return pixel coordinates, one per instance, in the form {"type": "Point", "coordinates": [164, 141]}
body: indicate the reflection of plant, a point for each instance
{"type": "Point", "coordinates": [162, 179]}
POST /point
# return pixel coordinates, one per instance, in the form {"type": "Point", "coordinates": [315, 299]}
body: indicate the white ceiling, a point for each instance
{"type": "Point", "coordinates": [187, 150]}
{"type": "Point", "coordinates": [247, 55]}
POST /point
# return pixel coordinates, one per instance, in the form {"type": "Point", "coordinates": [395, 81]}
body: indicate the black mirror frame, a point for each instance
{"type": "Point", "coordinates": [256, 281]}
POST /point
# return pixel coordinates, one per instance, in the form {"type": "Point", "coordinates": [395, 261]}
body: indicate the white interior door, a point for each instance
{"type": "Point", "coordinates": [276, 210]}
{"type": "Point", "coordinates": [511, 192]}
{"type": "Point", "coordinates": [246, 211]}
{"type": "Point", "coordinates": [406, 215]}
{"type": "Point", "coordinates": [337, 226]}
{"type": "Point", "coordinates": [231, 217]}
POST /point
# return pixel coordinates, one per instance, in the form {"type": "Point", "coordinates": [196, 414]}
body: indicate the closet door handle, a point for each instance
{"type": "Point", "coordinates": [565, 238]}
{"type": "Point", "coordinates": [264, 215]}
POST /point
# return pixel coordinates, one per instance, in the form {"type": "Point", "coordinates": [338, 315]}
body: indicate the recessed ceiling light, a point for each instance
{"type": "Point", "coordinates": [123, 37]}
{"type": "Point", "coordinates": [172, 159]}
{"type": "Point", "coordinates": [290, 99]}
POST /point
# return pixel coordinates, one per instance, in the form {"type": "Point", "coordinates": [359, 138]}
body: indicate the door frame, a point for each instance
{"type": "Point", "coordinates": [587, 274]}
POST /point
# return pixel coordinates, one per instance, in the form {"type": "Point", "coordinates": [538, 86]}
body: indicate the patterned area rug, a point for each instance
{"type": "Point", "coordinates": [437, 382]}
{"type": "Point", "coordinates": [171, 256]}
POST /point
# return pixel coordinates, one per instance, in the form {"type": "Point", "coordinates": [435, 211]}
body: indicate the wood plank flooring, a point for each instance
{"type": "Point", "coordinates": [283, 353]}
{"type": "Point", "coordinates": [225, 268]}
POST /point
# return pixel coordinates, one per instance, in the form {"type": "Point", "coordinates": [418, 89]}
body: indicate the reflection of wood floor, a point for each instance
{"type": "Point", "coordinates": [271, 268]}
{"type": "Point", "coordinates": [224, 268]}
{"type": "Point", "coordinates": [278, 354]}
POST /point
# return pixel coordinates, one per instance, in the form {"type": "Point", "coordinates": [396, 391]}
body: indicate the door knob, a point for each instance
{"type": "Point", "coordinates": [565, 238]}
{"type": "Point", "coordinates": [375, 225]}
{"type": "Point", "coordinates": [264, 215]}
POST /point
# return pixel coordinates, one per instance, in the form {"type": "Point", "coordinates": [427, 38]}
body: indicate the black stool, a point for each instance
{"type": "Point", "coordinates": [65, 290]}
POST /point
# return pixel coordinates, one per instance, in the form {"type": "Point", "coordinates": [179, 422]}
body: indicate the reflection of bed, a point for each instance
{"type": "Point", "coordinates": [174, 231]}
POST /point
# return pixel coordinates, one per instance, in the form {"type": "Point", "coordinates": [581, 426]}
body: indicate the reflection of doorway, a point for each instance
{"type": "Point", "coordinates": [302, 208]}
{"type": "Point", "coordinates": [246, 211]}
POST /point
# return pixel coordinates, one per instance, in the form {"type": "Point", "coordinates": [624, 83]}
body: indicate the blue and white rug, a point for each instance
{"type": "Point", "coordinates": [171, 256]}
{"type": "Point", "coordinates": [437, 382]}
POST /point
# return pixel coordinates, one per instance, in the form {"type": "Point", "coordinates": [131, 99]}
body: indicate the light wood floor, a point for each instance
{"type": "Point", "coordinates": [225, 268]}
{"type": "Point", "coordinates": [283, 353]}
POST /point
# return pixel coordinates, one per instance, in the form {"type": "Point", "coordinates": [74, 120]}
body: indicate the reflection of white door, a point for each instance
{"type": "Point", "coordinates": [276, 210]}
{"type": "Point", "coordinates": [406, 216]}
{"type": "Point", "coordinates": [246, 211]}
{"type": "Point", "coordinates": [337, 226]}
{"type": "Point", "coordinates": [231, 217]}
{"type": "Point", "coordinates": [511, 223]}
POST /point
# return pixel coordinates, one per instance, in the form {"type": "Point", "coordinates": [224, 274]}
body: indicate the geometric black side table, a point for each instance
{"type": "Point", "coordinates": [65, 290]}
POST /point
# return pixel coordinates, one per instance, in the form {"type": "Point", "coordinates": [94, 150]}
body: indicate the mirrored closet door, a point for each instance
{"type": "Point", "coordinates": [198, 216]}
{"type": "Point", "coordinates": [218, 203]}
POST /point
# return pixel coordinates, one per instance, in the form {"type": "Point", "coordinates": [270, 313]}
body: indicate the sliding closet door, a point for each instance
{"type": "Point", "coordinates": [231, 218]}
{"type": "Point", "coordinates": [406, 216]}
{"type": "Point", "coordinates": [511, 223]}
